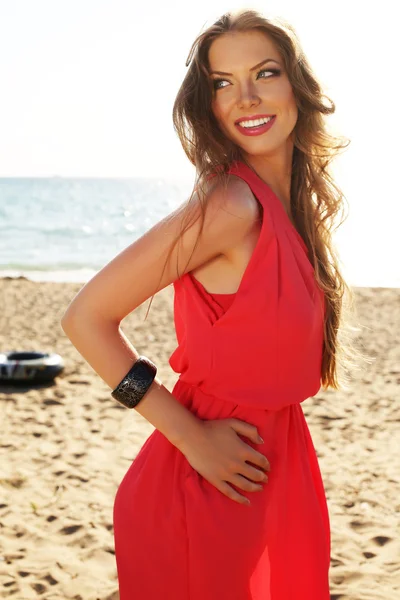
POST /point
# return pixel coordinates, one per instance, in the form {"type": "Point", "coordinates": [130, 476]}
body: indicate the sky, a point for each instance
{"type": "Point", "coordinates": [88, 88]}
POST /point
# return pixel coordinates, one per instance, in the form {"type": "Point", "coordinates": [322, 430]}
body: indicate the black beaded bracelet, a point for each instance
{"type": "Point", "coordinates": [136, 382]}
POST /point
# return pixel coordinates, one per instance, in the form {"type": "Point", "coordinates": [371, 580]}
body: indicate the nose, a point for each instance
{"type": "Point", "coordinates": [248, 96]}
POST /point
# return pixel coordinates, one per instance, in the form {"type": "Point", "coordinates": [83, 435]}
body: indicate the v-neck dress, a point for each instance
{"type": "Point", "coordinates": [254, 355]}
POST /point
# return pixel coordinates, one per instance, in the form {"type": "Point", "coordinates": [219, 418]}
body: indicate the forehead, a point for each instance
{"type": "Point", "coordinates": [237, 50]}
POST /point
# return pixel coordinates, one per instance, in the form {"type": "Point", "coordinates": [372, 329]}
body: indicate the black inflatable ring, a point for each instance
{"type": "Point", "coordinates": [29, 367]}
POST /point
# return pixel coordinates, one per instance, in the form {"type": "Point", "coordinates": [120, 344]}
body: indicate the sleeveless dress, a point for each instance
{"type": "Point", "coordinates": [254, 355]}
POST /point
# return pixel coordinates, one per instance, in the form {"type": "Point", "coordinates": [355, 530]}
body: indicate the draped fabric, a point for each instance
{"type": "Point", "coordinates": [254, 355]}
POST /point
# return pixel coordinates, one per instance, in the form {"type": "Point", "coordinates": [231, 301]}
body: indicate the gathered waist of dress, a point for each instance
{"type": "Point", "coordinates": [188, 393]}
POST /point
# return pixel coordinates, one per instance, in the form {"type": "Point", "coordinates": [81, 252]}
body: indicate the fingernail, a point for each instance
{"type": "Point", "coordinates": [260, 439]}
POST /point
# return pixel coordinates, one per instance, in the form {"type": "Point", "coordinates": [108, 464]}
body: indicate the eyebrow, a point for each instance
{"type": "Point", "coordinates": [263, 62]}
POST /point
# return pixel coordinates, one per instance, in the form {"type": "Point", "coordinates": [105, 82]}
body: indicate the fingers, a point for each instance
{"type": "Point", "coordinates": [254, 474]}
{"type": "Point", "coordinates": [249, 431]}
{"type": "Point", "coordinates": [245, 484]}
{"type": "Point", "coordinates": [242, 483]}
{"type": "Point", "coordinates": [256, 458]}
{"type": "Point", "coordinates": [228, 491]}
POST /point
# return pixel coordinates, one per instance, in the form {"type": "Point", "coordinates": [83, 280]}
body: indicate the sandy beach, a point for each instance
{"type": "Point", "coordinates": [65, 447]}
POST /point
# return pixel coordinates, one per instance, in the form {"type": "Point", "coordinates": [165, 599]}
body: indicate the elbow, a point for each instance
{"type": "Point", "coordinates": [76, 320]}
{"type": "Point", "coordinates": [71, 318]}
{"type": "Point", "coordinates": [66, 322]}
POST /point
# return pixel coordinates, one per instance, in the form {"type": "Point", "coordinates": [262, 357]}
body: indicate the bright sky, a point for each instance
{"type": "Point", "coordinates": [88, 88]}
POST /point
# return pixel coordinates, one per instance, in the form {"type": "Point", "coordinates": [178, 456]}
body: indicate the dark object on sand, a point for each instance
{"type": "Point", "coordinates": [29, 367]}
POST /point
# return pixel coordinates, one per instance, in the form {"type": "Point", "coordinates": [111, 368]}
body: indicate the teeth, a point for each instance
{"type": "Point", "coordinates": [255, 123]}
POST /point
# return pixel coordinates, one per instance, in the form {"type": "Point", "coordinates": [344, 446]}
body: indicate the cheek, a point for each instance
{"type": "Point", "coordinates": [287, 97]}
{"type": "Point", "coordinates": [292, 109]}
{"type": "Point", "coordinates": [222, 121]}
{"type": "Point", "coordinates": [217, 108]}
{"type": "Point", "coordinates": [219, 114]}
{"type": "Point", "coordinates": [286, 102]}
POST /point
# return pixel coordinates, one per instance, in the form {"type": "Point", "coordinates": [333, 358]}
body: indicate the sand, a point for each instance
{"type": "Point", "coordinates": [65, 447]}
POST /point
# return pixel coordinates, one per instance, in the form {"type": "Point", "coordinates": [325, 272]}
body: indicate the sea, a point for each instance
{"type": "Point", "coordinates": [67, 229]}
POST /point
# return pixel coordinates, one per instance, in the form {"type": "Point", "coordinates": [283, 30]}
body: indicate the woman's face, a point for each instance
{"type": "Point", "coordinates": [248, 88]}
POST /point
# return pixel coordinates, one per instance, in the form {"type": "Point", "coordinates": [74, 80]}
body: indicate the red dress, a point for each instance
{"type": "Point", "coordinates": [254, 355]}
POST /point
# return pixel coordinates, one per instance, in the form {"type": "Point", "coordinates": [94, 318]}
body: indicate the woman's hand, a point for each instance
{"type": "Point", "coordinates": [221, 457]}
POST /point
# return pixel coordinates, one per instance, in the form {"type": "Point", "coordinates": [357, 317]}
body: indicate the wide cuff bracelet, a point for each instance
{"type": "Point", "coordinates": [136, 382]}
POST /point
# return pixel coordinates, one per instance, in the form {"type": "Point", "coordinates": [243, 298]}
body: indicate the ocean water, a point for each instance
{"type": "Point", "coordinates": [61, 229]}
{"type": "Point", "coordinates": [67, 229]}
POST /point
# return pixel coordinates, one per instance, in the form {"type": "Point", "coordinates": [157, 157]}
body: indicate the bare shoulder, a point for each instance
{"type": "Point", "coordinates": [238, 200]}
{"type": "Point", "coordinates": [142, 269]}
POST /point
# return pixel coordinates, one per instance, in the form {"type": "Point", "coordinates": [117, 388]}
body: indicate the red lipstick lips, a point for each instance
{"type": "Point", "coordinates": [258, 129]}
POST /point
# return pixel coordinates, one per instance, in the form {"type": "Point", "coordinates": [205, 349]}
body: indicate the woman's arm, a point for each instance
{"type": "Point", "coordinates": [92, 320]}
{"type": "Point", "coordinates": [109, 352]}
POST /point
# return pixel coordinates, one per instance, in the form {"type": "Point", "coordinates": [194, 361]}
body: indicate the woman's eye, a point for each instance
{"type": "Point", "coordinates": [273, 71]}
{"type": "Point", "coordinates": [217, 82]}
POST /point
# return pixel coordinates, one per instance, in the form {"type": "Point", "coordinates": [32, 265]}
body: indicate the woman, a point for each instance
{"type": "Point", "coordinates": [209, 509]}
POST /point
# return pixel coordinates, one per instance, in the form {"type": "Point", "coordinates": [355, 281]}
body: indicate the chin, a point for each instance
{"type": "Point", "coordinates": [255, 149]}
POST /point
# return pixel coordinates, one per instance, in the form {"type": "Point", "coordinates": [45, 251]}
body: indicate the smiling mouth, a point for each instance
{"type": "Point", "coordinates": [251, 123]}
{"type": "Point", "coordinates": [256, 126]}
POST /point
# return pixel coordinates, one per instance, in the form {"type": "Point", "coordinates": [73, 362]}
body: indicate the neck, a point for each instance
{"type": "Point", "coordinates": [276, 172]}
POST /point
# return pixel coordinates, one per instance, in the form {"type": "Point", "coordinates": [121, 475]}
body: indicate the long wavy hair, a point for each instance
{"type": "Point", "coordinates": [317, 204]}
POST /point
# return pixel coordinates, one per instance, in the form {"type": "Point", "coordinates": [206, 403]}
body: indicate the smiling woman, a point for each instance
{"type": "Point", "coordinates": [246, 89]}
{"type": "Point", "coordinates": [257, 308]}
